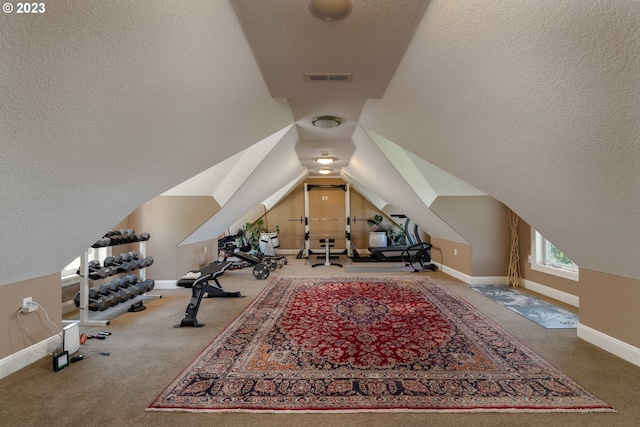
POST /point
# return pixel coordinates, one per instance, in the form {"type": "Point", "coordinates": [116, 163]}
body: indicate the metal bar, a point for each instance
{"type": "Point", "coordinates": [307, 247]}
{"type": "Point", "coordinates": [347, 214]}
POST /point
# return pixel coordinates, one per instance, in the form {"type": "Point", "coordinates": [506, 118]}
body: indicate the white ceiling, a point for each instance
{"type": "Point", "coordinates": [288, 42]}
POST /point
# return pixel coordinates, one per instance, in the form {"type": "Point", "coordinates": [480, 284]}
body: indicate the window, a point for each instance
{"type": "Point", "coordinates": [70, 271]}
{"type": "Point", "coordinates": [547, 258]}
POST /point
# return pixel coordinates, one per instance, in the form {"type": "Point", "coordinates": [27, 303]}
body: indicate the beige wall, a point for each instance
{"type": "Point", "coordinates": [43, 290]}
{"type": "Point", "coordinates": [444, 251]}
{"type": "Point", "coordinates": [610, 304]}
{"type": "Point", "coordinates": [291, 234]}
{"type": "Point", "coordinates": [169, 220]}
{"type": "Point", "coordinates": [484, 222]}
{"type": "Point", "coordinates": [195, 256]}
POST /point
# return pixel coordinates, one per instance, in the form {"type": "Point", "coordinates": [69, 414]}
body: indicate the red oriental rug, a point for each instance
{"type": "Point", "coordinates": [368, 344]}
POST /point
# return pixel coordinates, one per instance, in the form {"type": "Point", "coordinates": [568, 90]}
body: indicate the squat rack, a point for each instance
{"type": "Point", "coordinates": [307, 219]}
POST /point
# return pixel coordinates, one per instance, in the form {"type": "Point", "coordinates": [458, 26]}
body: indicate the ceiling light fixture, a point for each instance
{"type": "Point", "coordinates": [326, 122]}
{"type": "Point", "coordinates": [325, 160]}
{"type": "Point", "coordinates": [325, 171]}
{"type": "Point", "coordinates": [330, 10]}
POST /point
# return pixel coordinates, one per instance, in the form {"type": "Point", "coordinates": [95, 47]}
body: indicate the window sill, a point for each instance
{"type": "Point", "coordinates": [556, 271]}
{"type": "Point", "coordinates": [71, 279]}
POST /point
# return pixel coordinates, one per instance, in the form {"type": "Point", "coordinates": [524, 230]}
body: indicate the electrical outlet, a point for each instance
{"type": "Point", "coordinates": [205, 249]}
{"type": "Point", "coordinates": [455, 251]}
{"type": "Point", "coordinates": [28, 305]}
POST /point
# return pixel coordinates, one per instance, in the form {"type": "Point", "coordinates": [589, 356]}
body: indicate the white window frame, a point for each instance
{"type": "Point", "coordinates": [539, 247]}
{"type": "Point", "coordinates": [70, 274]}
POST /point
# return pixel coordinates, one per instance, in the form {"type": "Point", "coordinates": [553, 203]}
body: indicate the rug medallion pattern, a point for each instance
{"type": "Point", "coordinates": [366, 344]}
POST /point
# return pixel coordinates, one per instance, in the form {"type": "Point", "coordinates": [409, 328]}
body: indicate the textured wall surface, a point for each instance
{"type": "Point", "coordinates": [536, 104]}
{"type": "Point", "coordinates": [107, 104]}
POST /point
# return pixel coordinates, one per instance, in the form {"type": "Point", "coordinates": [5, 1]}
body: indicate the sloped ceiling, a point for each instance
{"type": "Point", "coordinates": [536, 104]}
{"type": "Point", "coordinates": [105, 106]}
{"type": "Point", "coordinates": [108, 105]}
{"type": "Point", "coordinates": [276, 166]}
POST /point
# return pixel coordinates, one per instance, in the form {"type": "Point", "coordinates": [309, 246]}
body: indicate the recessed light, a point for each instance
{"type": "Point", "coordinates": [330, 10]}
{"type": "Point", "coordinates": [325, 160]}
{"type": "Point", "coordinates": [326, 122]}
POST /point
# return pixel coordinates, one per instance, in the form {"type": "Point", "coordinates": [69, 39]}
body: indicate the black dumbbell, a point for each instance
{"type": "Point", "coordinates": [135, 291]}
{"type": "Point", "coordinates": [111, 290]}
{"type": "Point", "coordinates": [128, 235]}
{"type": "Point", "coordinates": [132, 263]}
{"type": "Point", "coordinates": [118, 263]}
{"type": "Point", "coordinates": [106, 288]}
{"type": "Point", "coordinates": [121, 287]}
{"type": "Point", "coordinates": [131, 279]}
{"type": "Point", "coordinates": [102, 242]}
{"type": "Point", "coordinates": [149, 284]}
{"type": "Point", "coordinates": [101, 273]}
{"type": "Point", "coordinates": [145, 262]}
{"type": "Point", "coordinates": [138, 263]}
{"type": "Point", "coordinates": [95, 304]}
{"type": "Point", "coordinates": [94, 292]}
{"type": "Point", "coordinates": [141, 287]}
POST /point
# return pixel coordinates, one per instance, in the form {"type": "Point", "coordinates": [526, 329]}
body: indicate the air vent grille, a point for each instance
{"type": "Point", "coordinates": [328, 77]}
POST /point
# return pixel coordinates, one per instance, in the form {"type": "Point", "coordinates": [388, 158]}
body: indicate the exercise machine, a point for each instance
{"type": "Point", "coordinates": [418, 256]}
{"type": "Point", "coordinates": [201, 286]}
{"type": "Point", "coordinates": [401, 252]}
{"type": "Point", "coordinates": [262, 265]}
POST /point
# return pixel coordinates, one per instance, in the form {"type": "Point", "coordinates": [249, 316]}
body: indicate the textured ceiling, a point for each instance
{"type": "Point", "coordinates": [288, 42]}
{"type": "Point", "coordinates": [109, 104]}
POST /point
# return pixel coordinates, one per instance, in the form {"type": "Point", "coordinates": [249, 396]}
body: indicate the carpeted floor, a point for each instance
{"type": "Point", "coordinates": [369, 344]}
{"type": "Point", "coordinates": [147, 353]}
{"type": "Point", "coordinates": [389, 268]}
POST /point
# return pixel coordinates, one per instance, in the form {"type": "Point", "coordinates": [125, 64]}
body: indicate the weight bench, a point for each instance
{"type": "Point", "coordinates": [200, 286]}
{"type": "Point", "coordinates": [327, 244]}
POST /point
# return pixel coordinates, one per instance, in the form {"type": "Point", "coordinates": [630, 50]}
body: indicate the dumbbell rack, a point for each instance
{"type": "Point", "coordinates": [84, 285]}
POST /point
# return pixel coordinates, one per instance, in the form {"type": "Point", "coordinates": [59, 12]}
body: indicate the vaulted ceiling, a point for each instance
{"type": "Point", "coordinates": [108, 105]}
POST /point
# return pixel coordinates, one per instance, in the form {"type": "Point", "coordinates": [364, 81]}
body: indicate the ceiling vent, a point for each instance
{"type": "Point", "coordinates": [328, 77]}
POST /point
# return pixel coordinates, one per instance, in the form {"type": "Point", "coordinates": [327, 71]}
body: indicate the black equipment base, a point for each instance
{"type": "Point", "coordinates": [201, 286]}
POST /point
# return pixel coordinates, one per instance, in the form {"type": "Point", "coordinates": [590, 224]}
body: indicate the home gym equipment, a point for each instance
{"type": "Point", "coordinates": [112, 265]}
{"type": "Point", "coordinates": [105, 295]}
{"type": "Point", "coordinates": [418, 255]}
{"type": "Point", "coordinates": [307, 219]}
{"type": "Point", "coordinates": [200, 286]}
{"type": "Point", "coordinates": [262, 265]}
{"type": "Point", "coordinates": [395, 253]}
{"type": "Point", "coordinates": [120, 237]}
{"type": "Point", "coordinates": [117, 291]}
{"type": "Point", "coordinates": [328, 243]}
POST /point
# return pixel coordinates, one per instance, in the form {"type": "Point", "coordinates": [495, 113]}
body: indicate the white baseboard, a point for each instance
{"type": "Point", "coordinates": [471, 280]}
{"type": "Point", "coordinates": [27, 356]}
{"type": "Point", "coordinates": [565, 297]}
{"type": "Point", "coordinates": [612, 345]}
{"type": "Point", "coordinates": [68, 307]}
